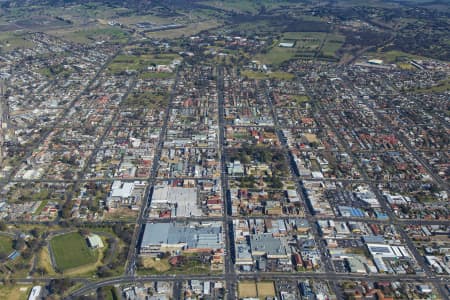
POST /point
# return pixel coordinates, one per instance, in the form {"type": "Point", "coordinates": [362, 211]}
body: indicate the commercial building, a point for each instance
{"type": "Point", "coordinates": [174, 237]}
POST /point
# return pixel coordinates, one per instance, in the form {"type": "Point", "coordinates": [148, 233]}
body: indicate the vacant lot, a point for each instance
{"type": "Point", "coordinates": [71, 251]}
{"type": "Point", "coordinates": [265, 289]}
{"type": "Point", "coordinates": [161, 265]}
{"type": "Point", "coordinates": [247, 289]}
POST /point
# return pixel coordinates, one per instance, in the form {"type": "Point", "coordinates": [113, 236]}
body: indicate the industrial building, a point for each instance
{"type": "Point", "coordinates": [175, 237]}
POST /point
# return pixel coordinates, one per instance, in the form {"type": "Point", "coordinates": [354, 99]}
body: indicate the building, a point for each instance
{"type": "Point", "coordinates": [172, 237]}
{"type": "Point", "coordinates": [243, 254]}
{"type": "Point", "coordinates": [94, 241]}
{"type": "Point", "coordinates": [236, 168]}
{"type": "Point", "coordinates": [35, 292]}
{"type": "Point", "coordinates": [180, 201]}
{"type": "Point", "coordinates": [286, 45]}
{"type": "Point", "coordinates": [125, 194]}
{"type": "Point", "coordinates": [264, 244]}
{"type": "Point", "coordinates": [375, 61]}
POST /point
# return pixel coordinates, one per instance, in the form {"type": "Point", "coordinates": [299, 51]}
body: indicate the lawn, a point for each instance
{"type": "Point", "coordinates": [188, 30]}
{"type": "Point", "coordinates": [146, 99]}
{"type": "Point", "coordinates": [306, 44]}
{"type": "Point", "coordinates": [139, 61]}
{"type": "Point", "coordinates": [41, 207]}
{"type": "Point", "coordinates": [93, 34]}
{"type": "Point", "coordinates": [162, 266]}
{"type": "Point", "coordinates": [5, 245]}
{"type": "Point", "coordinates": [235, 5]}
{"type": "Point", "coordinates": [44, 261]}
{"type": "Point", "coordinates": [405, 66]}
{"type": "Point", "coordinates": [300, 98]}
{"type": "Point", "coordinates": [158, 75]}
{"type": "Point", "coordinates": [11, 40]}
{"type": "Point", "coordinates": [14, 292]}
{"type": "Point", "coordinates": [441, 87]}
{"type": "Point", "coordinates": [249, 6]}
{"type": "Point", "coordinates": [332, 44]}
{"type": "Point", "coordinates": [71, 251]}
{"type": "Point", "coordinates": [277, 55]}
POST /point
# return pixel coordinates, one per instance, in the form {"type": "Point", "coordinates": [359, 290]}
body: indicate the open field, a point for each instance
{"type": "Point", "coordinates": [277, 55]}
{"type": "Point", "coordinates": [393, 56]}
{"type": "Point", "coordinates": [234, 5]}
{"type": "Point", "coordinates": [261, 290]}
{"type": "Point", "coordinates": [71, 251]}
{"type": "Point", "coordinates": [443, 86]}
{"type": "Point", "coordinates": [306, 45]}
{"type": "Point", "coordinates": [44, 261]}
{"type": "Point", "coordinates": [84, 12]}
{"type": "Point", "coordinates": [159, 75]}
{"type": "Point", "coordinates": [246, 6]}
{"type": "Point", "coordinates": [247, 289]}
{"type": "Point", "coordinates": [16, 292]}
{"type": "Point", "coordinates": [121, 213]}
{"type": "Point", "coordinates": [92, 34]}
{"type": "Point", "coordinates": [190, 265]}
{"type": "Point", "coordinates": [332, 44]}
{"type": "Point", "coordinates": [190, 29]}
{"type": "Point", "coordinates": [304, 41]}
{"type": "Point", "coordinates": [161, 265]}
{"type": "Point", "coordinates": [140, 62]}
{"type": "Point", "coordinates": [130, 21]}
{"type": "Point", "coordinates": [265, 289]}
{"type": "Point", "coordinates": [14, 40]}
{"type": "Point", "coordinates": [300, 98]}
{"type": "Point", "coordinates": [5, 245]}
{"type": "Point", "coordinates": [405, 66]}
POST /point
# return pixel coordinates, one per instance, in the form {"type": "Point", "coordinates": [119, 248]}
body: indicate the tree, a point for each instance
{"type": "Point", "coordinates": [84, 231]}
{"type": "Point", "coordinates": [26, 254]}
{"type": "Point", "coordinates": [104, 271]}
{"type": "Point", "coordinates": [59, 286]}
{"type": "Point", "coordinates": [66, 211]}
{"type": "Point", "coordinates": [19, 244]}
{"type": "Point", "coordinates": [34, 232]}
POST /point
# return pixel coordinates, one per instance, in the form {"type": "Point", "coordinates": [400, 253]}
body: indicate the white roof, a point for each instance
{"type": "Point", "coordinates": [289, 45]}
{"type": "Point", "coordinates": [95, 241]}
{"type": "Point", "coordinates": [122, 190]}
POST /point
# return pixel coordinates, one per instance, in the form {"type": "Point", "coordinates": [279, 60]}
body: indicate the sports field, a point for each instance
{"type": "Point", "coordinates": [71, 251]}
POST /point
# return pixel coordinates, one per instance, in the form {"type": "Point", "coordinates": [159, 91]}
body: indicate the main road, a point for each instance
{"type": "Point", "coordinates": [146, 201]}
